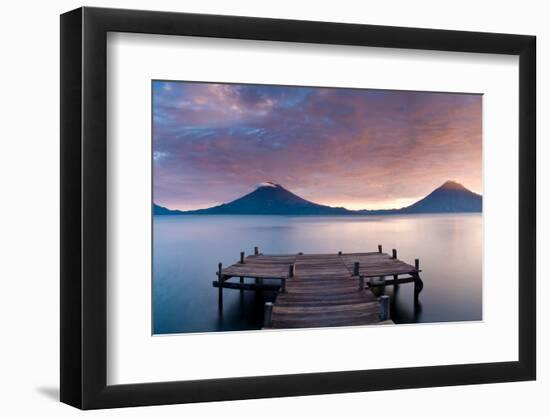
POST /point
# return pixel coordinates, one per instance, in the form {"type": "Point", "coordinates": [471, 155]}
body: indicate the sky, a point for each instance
{"type": "Point", "coordinates": [353, 148]}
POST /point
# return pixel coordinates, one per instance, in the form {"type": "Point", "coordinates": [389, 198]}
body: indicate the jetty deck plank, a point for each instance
{"type": "Point", "coordinates": [374, 264]}
{"type": "Point", "coordinates": [323, 293]}
{"type": "Point", "coordinates": [255, 272]}
{"type": "Point", "coordinates": [323, 290]}
{"type": "Point", "coordinates": [261, 266]}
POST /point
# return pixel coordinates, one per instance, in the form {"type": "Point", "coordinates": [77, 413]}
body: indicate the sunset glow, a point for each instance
{"type": "Point", "coordinates": [353, 148]}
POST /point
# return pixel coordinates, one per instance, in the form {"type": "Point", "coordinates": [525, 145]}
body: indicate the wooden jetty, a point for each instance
{"type": "Point", "coordinates": [321, 290]}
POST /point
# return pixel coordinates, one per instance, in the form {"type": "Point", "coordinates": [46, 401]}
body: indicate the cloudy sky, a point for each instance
{"type": "Point", "coordinates": [354, 148]}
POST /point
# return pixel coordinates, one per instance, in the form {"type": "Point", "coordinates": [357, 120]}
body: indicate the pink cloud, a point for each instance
{"type": "Point", "coordinates": [359, 147]}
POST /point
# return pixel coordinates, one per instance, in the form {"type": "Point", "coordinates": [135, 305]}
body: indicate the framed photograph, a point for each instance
{"type": "Point", "coordinates": [257, 208]}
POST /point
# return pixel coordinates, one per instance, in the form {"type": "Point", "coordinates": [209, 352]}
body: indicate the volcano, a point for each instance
{"type": "Point", "coordinates": [451, 197]}
{"type": "Point", "coordinates": [273, 199]}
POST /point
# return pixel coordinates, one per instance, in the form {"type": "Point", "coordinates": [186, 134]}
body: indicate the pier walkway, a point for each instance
{"type": "Point", "coordinates": [321, 290]}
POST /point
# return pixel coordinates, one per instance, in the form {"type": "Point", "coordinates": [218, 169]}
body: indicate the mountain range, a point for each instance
{"type": "Point", "coordinates": [273, 199]}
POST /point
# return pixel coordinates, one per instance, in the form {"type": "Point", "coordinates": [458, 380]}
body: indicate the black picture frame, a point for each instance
{"type": "Point", "coordinates": [84, 207]}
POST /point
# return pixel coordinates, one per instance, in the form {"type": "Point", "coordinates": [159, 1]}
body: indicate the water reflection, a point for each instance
{"type": "Point", "coordinates": [188, 248]}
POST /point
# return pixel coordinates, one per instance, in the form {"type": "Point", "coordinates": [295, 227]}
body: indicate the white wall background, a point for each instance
{"type": "Point", "coordinates": [29, 225]}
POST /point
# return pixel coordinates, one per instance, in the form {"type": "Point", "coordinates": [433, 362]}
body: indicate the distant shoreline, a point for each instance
{"type": "Point", "coordinates": [274, 199]}
{"type": "Point", "coordinates": [314, 215]}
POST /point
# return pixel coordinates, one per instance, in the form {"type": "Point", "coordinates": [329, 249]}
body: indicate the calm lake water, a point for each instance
{"type": "Point", "coordinates": [187, 250]}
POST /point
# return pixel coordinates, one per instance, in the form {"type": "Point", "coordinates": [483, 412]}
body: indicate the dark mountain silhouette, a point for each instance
{"type": "Point", "coordinates": [270, 198]}
{"type": "Point", "coordinates": [451, 197]}
{"type": "Point", "coordinates": [159, 210]}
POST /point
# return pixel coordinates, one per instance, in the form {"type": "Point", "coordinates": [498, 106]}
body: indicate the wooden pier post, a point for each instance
{"type": "Point", "coordinates": [384, 307]}
{"type": "Point", "coordinates": [258, 282]}
{"type": "Point", "coordinates": [340, 253]}
{"type": "Point", "coordinates": [418, 284]}
{"type": "Point", "coordinates": [379, 248]}
{"type": "Point", "coordinates": [242, 258]}
{"type": "Point", "coordinates": [220, 288]}
{"type": "Point", "coordinates": [394, 256]}
{"type": "Point", "coordinates": [256, 251]}
{"type": "Point", "coordinates": [268, 310]}
{"type": "Point", "coordinates": [241, 280]}
{"type": "Point", "coordinates": [291, 270]}
{"type": "Point", "coordinates": [356, 274]}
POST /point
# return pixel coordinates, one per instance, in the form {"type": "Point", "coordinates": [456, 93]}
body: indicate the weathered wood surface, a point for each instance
{"type": "Point", "coordinates": [323, 293]}
{"type": "Point", "coordinates": [374, 264]}
{"type": "Point", "coordinates": [247, 286]}
{"type": "Point", "coordinates": [261, 266]}
{"type": "Point", "coordinates": [324, 290]}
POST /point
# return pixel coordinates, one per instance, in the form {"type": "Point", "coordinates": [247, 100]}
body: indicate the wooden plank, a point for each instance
{"type": "Point", "coordinates": [321, 309]}
{"type": "Point", "coordinates": [247, 286]}
{"type": "Point", "coordinates": [324, 322]}
{"type": "Point", "coordinates": [323, 294]}
{"type": "Point", "coordinates": [247, 271]}
{"type": "Point", "coordinates": [330, 312]}
{"type": "Point", "coordinates": [378, 264]}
